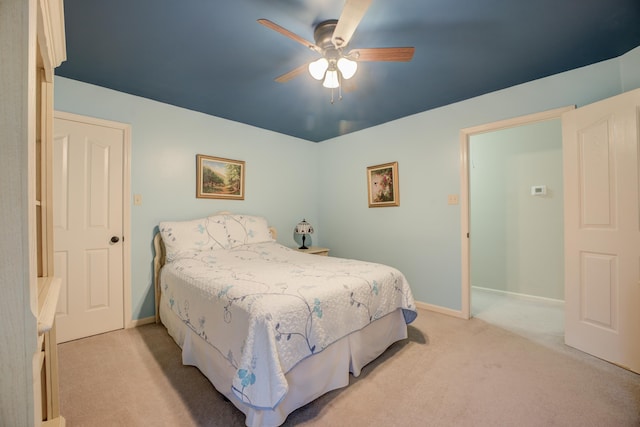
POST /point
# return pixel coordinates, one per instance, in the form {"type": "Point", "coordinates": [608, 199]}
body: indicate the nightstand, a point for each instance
{"type": "Point", "coordinates": [316, 250]}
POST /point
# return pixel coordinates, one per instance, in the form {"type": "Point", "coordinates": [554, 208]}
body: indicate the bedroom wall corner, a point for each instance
{"type": "Point", "coordinates": [164, 143]}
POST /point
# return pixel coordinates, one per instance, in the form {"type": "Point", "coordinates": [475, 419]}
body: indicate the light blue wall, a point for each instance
{"type": "Point", "coordinates": [422, 236]}
{"type": "Point", "coordinates": [288, 178]}
{"type": "Point", "coordinates": [279, 183]}
{"type": "Point", "coordinates": [630, 70]}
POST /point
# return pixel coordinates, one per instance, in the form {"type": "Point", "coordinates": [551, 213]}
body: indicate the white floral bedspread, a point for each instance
{"type": "Point", "coordinates": [266, 307]}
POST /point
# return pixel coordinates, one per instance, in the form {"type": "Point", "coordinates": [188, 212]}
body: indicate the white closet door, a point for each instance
{"type": "Point", "coordinates": [88, 227]}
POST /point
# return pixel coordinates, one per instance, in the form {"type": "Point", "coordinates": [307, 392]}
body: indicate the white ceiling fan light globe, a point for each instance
{"type": "Point", "coordinates": [331, 79]}
{"type": "Point", "coordinates": [318, 68]}
{"type": "Point", "coordinates": [347, 67]}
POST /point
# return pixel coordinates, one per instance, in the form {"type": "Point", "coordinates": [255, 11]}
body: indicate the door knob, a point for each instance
{"type": "Point", "coordinates": [115, 239]}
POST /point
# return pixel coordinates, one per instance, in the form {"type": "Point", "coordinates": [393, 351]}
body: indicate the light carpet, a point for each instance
{"type": "Point", "coordinates": [538, 319]}
{"type": "Point", "coordinates": [449, 372]}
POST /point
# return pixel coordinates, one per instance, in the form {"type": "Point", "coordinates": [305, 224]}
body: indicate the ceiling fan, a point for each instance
{"type": "Point", "coordinates": [331, 38]}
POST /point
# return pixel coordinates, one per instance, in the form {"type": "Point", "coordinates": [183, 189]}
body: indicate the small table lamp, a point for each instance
{"type": "Point", "coordinates": [303, 228]}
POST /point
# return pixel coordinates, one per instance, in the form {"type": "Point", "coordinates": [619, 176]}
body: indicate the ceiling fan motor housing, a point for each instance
{"type": "Point", "coordinates": [322, 35]}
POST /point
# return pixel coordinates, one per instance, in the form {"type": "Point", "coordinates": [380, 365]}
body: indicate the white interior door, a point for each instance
{"type": "Point", "coordinates": [88, 226]}
{"type": "Point", "coordinates": [602, 229]}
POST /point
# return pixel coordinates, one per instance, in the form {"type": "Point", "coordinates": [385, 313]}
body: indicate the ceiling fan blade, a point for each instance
{"type": "Point", "coordinates": [352, 14]}
{"type": "Point", "coordinates": [291, 74]}
{"type": "Point", "coordinates": [403, 54]}
{"type": "Point", "coordinates": [289, 34]}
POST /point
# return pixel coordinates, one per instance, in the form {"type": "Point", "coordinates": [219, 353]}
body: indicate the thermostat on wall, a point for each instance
{"type": "Point", "coordinates": [538, 190]}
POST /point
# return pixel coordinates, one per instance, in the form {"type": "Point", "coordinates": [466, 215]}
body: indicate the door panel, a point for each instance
{"type": "Point", "coordinates": [602, 232]}
{"type": "Point", "coordinates": [597, 176]}
{"type": "Point", "coordinates": [88, 199]}
{"type": "Point", "coordinates": [598, 290]}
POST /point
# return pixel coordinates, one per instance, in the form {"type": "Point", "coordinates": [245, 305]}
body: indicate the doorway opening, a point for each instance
{"type": "Point", "coordinates": [512, 219]}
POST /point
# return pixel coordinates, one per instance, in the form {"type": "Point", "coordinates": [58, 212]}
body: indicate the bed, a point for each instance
{"type": "Point", "coordinates": [272, 328]}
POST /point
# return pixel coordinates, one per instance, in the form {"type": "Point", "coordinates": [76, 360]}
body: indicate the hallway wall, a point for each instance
{"type": "Point", "coordinates": [516, 237]}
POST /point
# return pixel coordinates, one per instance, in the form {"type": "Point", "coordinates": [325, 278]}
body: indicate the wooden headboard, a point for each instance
{"type": "Point", "coordinates": [158, 262]}
{"type": "Point", "coordinates": [160, 258]}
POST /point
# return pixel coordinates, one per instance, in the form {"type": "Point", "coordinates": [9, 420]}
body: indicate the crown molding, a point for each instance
{"type": "Point", "coordinates": [51, 35]}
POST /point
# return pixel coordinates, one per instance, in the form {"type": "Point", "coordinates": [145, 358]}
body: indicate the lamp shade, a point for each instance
{"type": "Point", "coordinates": [303, 227]}
{"type": "Point", "coordinates": [318, 68]}
{"type": "Point", "coordinates": [347, 67]}
{"type": "Point", "coordinates": [331, 79]}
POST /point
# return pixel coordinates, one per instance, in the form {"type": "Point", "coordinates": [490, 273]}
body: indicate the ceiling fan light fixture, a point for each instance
{"type": "Point", "coordinates": [331, 79]}
{"type": "Point", "coordinates": [318, 68]}
{"type": "Point", "coordinates": [331, 37]}
{"type": "Point", "coordinates": [347, 67]}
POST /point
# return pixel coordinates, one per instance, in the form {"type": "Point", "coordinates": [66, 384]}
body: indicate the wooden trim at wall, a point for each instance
{"type": "Point", "coordinates": [51, 35]}
{"type": "Point", "coordinates": [140, 322]}
{"type": "Point", "coordinates": [441, 310]}
{"type": "Point", "coordinates": [518, 295]}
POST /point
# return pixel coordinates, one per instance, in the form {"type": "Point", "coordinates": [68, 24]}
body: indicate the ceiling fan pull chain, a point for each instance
{"type": "Point", "coordinates": [331, 96]}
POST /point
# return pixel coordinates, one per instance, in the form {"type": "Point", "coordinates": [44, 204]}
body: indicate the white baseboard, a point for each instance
{"type": "Point", "coordinates": [441, 310]}
{"type": "Point", "coordinates": [422, 305]}
{"type": "Point", "coordinates": [140, 322]}
{"type": "Point", "coordinates": [521, 296]}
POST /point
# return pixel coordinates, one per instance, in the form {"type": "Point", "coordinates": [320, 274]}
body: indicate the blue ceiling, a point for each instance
{"type": "Point", "coordinates": [212, 56]}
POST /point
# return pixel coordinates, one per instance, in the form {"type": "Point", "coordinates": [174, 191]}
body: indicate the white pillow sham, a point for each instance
{"type": "Point", "coordinates": [245, 229]}
{"type": "Point", "coordinates": [204, 234]}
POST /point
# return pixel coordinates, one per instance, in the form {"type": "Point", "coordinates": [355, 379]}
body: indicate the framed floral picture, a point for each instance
{"type": "Point", "coordinates": [219, 178]}
{"type": "Point", "coordinates": [383, 185]}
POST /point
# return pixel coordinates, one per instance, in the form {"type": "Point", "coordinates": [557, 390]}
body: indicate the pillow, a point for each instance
{"type": "Point", "coordinates": [204, 234]}
{"type": "Point", "coordinates": [245, 229]}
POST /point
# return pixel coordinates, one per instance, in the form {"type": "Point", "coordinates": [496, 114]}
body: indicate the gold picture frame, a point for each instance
{"type": "Point", "coordinates": [218, 178]}
{"type": "Point", "coordinates": [383, 185]}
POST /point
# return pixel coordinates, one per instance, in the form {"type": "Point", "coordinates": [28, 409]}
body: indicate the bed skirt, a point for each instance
{"type": "Point", "coordinates": [308, 380]}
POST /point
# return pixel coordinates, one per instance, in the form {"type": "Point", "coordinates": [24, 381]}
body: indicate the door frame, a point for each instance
{"type": "Point", "coordinates": [127, 322]}
{"type": "Point", "coordinates": [465, 213]}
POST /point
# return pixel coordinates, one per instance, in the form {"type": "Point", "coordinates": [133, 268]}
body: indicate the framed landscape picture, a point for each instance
{"type": "Point", "coordinates": [383, 185]}
{"type": "Point", "coordinates": [219, 178]}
